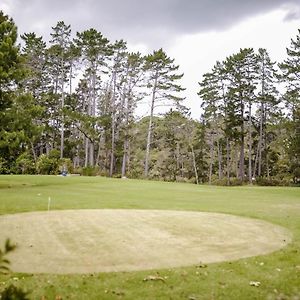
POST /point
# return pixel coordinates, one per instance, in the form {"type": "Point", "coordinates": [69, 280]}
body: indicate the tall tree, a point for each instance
{"type": "Point", "coordinates": [131, 93]}
{"type": "Point", "coordinates": [162, 82]}
{"type": "Point", "coordinates": [267, 100]}
{"type": "Point", "coordinates": [61, 40]}
{"type": "Point", "coordinates": [10, 75]}
{"type": "Point", "coordinates": [10, 60]}
{"type": "Point", "coordinates": [95, 50]}
{"type": "Point", "coordinates": [290, 69]}
{"type": "Point", "coordinates": [241, 70]}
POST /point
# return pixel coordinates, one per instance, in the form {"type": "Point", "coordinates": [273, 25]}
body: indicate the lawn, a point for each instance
{"type": "Point", "coordinates": [278, 273]}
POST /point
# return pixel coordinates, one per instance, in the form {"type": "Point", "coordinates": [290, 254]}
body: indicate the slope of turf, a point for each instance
{"type": "Point", "coordinates": [278, 273]}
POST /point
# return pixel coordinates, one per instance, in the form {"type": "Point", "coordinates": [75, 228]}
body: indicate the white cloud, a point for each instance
{"type": "Point", "coordinates": [196, 54]}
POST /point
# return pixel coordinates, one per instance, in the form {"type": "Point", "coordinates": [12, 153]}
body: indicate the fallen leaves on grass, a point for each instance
{"type": "Point", "coordinates": [254, 283]}
{"type": "Point", "coordinates": [154, 278]}
{"type": "Point", "coordinates": [201, 265]}
{"type": "Point", "coordinates": [114, 292]}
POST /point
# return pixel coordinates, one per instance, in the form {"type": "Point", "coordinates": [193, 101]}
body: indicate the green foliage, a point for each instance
{"type": "Point", "coordinates": [4, 169]}
{"type": "Point", "coordinates": [233, 181]}
{"type": "Point", "coordinates": [9, 60]}
{"type": "Point", "coordinates": [14, 293]}
{"type": "Point", "coordinates": [4, 262]}
{"type": "Point", "coordinates": [47, 165]}
{"type": "Point", "coordinates": [91, 122]}
{"type": "Point", "coordinates": [90, 171]}
{"type": "Point", "coordinates": [11, 292]}
{"type": "Point", "coordinates": [272, 181]}
{"type": "Point", "coordinates": [25, 164]}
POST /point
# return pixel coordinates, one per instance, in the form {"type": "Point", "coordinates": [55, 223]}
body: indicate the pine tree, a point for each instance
{"type": "Point", "coordinates": [9, 60]}
{"type": "Point", "coordinates": [61, 40]}
{"type": "Point", "coordinates": [241, 71]}
{"type": "Point", "coordinates": [162, 82]}
{"type": "Point", "coordinates": [267, 99]}
{"type": "Point", "coordinates": [95, 51]}
{"type": "Point", "coordinates": [290, 69]}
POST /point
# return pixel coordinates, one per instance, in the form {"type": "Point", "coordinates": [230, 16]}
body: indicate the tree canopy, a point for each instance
{"type": "Point", "coordinates": [70, 105]}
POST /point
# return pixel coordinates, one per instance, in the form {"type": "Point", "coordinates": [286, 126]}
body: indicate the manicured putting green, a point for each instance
{"type": "Point", "coordinates": [86, 241]}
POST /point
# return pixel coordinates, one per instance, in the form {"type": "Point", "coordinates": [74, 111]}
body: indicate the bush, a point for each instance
{"type": "Point", "coordinates": [25, 164]}
{"type": "Point", "coordinates": [13, 293]}
{"type": "Point", "coordinates": [272, 181]}
{"type": "Point", "coordinates": [90, 171]}
{"type": "Point", "coordinates": [233, 181]}
{"type": "Point", "coordinates": [47, 165]}
{"type": "Point", "coordinates": [3, 166]}
{"type": "Point", "coordinates": [65, 164]}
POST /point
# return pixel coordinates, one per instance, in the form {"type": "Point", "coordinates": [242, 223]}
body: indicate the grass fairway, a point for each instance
{"type": "Point", "coordinates": [278, 272]}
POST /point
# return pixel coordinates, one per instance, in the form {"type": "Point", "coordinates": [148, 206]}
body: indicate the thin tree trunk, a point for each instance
{"type": "Point", "coordinates": [228, 160]}
{"type": "Point", "coordinates": [113, 127]}
{"type": "Point", "coordinates": [260, 138]}
{"type": "Point", "coordinates": [99, 150]}
{"type": "Point", "coordinates": [62, 114]}
{"type": "Point", "coordinates": [125, 156]}
{"type": "Point", "coordinates": [211, 157]}
{"type": "Point", "coordinates": [236, 159]}
{"type": "Point", "coordinates": [33, 152]}
{"type": "Point", "coordinates": [86, 160]}
{"type": "Point", "coordinates": [112, 152]}
{"type": "Point", "coordinates": [250, 145]}
{"type": "Point", "coordinates": [93, 114]}
{"type": "Point", "coordinates": [255, 162]}
{"type": "Point", "coordinates": [149, 135]}
{"type": "Point", "coordinates": [242, 148]}
{"type": "Point", "coordinates": [220, 172]}
{"type": "Point", "coordinates": [194, 164]}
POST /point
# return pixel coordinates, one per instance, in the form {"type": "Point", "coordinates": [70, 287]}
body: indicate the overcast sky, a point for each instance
{"type": "Point", "coordinates": [196, 33]}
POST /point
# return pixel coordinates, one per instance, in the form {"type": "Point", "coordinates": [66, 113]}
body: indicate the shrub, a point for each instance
{"type": "Point", "coordinates": [3, 166]}
{"type": "Point", "coordinates": [47, 165]}
{"type": "Point", "coordinates": [25, 164]}
{"type": "Point", "coordinates": [11, 292]}
{"type": "Point", "coordinates": [233, 181]}
{"type": "Point", "coordinates": [272, 181]}
{"type": "Point", "coordinates": [65, 164]}
{"type": "Point", "coordinates": [90, 171]}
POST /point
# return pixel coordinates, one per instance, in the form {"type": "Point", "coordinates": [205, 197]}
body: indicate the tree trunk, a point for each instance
{"type": "Point", "coordinates": [211, 157]}
{"type": "Point", "coordinates": [255, 163]}
{"type": "Point", "coordinates": [194, 164]}
{"type": "Point", "coordinates": [250, 145]}
{"type": "Point", "coordinates": [33, 152]}
{"type": "Point", "coordinates": [86, 148]}
{"type": "Point", "coordinates": [228, 160]}
{"type": "Point", "coordinates": [113, 127]}
{"type": "Point", "coordinates": [242, 148]}
{"type": "Point", "coordinates": [125, 156]}
{"type": "Point", "coordinates": [62, 133]}
{"type": "Point", "coordinates": [220, 172]}
{"type": "Point", "coordinates": [149, 135]}
{"type": "Point", "coordinates": [260, 138]}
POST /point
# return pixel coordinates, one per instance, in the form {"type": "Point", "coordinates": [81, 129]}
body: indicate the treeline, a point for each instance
{"type": "Point", "coordinates": [69, 105]}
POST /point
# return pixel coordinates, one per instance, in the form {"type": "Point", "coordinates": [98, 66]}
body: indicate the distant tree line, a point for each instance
{"type": "Point", "coordinates": [69, 105]}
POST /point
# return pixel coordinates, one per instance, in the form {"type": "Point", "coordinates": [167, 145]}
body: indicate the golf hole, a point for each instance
{"type": "Point", "coordinates": [110, 240]}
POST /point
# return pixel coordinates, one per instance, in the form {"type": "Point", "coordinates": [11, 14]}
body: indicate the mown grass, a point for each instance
{"type": "Point", "coordinates": [278, 273]}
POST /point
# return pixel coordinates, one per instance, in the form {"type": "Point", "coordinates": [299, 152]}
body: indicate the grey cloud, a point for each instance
{"type": "Point", "coordinates": [293, 14]}
{"type": "Point", "coordinates": [137, 21]}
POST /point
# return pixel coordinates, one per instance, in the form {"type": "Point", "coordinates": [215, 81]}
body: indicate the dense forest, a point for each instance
{"type": "Point", "coordinates": [69, 104]}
